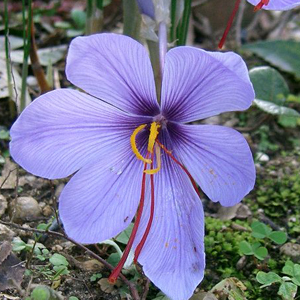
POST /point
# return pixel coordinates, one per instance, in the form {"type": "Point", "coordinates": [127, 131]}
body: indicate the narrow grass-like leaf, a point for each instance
{"type": "Point", "coordinates": [27, 39]}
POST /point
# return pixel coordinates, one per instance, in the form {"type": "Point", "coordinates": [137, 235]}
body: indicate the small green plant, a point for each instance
{"type": "Point", "coordinates": [55, 265]}
{"type": "Point", "coordinates": [42, 292]}
{"type": "Point", "coordinates": [95, 277]}
{"type": "Point", "coordinates": [261, 231]}
{"type": "Point", "coordinates": [288, 284]}
{"type": "Point", "coordinates": [60, 265]}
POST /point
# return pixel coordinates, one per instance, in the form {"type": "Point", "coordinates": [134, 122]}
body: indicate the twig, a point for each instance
{"type": "Point", "coordinates": [131, 286]}
{"type": "Point", "coordinates": [35, 63]}
{"type": "Point", "coordinates": [5, 179]}
{"type": "Point", "coordinates": [146, 289]}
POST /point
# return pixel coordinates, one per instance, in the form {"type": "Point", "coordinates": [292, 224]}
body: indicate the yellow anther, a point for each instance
{"type": "Point", "coordinates": [134, 147]}
{"type": "Point", "coordinates": [153, 135]}
{"type": "Point", "coordinates": [158, 162]}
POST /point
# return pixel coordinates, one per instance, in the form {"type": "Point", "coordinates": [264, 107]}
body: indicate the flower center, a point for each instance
{"type": "Point", "coordinates": [154, 130]}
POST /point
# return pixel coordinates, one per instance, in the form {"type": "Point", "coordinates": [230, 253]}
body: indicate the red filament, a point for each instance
{"type": "Point", "coordinates": [261, 4]}
{"type": "Point", "coordinates": [182, 167]}
{"type": "Point", "coordinates": [229, 24]}
{"type": "Point", "coordinates": [116, 272]}
{"type": "Point", "coordinates": [146, 233]}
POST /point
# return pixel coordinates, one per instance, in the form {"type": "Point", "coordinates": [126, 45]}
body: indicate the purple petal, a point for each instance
{"type": "Point", "coordinates": [101, 199]}
{"type": "Point", "coordinates": [198, 84]}
{"type": "Point", "coordinates": [277, 4]}
{"type": "Point", "coordinates": [218, 158]}
{"type": "Point", "coordinates": [146, 7]}
{"type": "Point", "coordinates": [64, 130]}
{"type": "Point", "coordinates": [114, 68]}
{"type": "Point", "coordinates": [173, 256]}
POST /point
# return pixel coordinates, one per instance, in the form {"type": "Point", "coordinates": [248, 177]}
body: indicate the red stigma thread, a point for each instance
{"type": "Point", "coordinates": [261, 4]}
{"type": "Point", "coordinates": [116, 272]}
{"type": "Point", "coordinates": [182, 167]}
{"type": "Point", "coordinates": [229, 24]}
{"type": "Point", "coordinates": [146, 233]}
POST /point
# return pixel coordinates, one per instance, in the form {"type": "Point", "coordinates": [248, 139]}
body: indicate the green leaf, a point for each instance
{"type": "Point", "coordinates": [79, 18]}
{"type": "Point", "coordinates": [58, 260]}
{"type": "Point", "coordinates": [123, 237]}
{"type": "Point", "coordinates": [278, 237]}
{"type": "Point", "coordinates": [95, 277]}
{"type": "Point", "coordinates": [267, 279]}
{"type": "Point", "coordinates": [4, 135]}
{"type": "Point", "coordinates": [245, 248]}
{"type": "Point", "coordinates": [18, 246]}
{"type": "Point", "coordinates": [161, 296]}
{"type": "Point", "coordinates": [275, 109]}
{"type": "Point", "coordinates": [292, 270]}
{"type": "Point", "coordinates": [289, 121]}
{"type": "Point", "coordinates": [60, 270]}
{"type": "Point", "coordinates": [269, 85]}
{"type": "Point", "coordinates": [261, 253]}
{"type": "Point", "coordinates": [73, 298]}
{"type": "Point", "coordinates": [113, 259]}
{"type": "Point", "coordinates": [260, 230]}
{"type": "Point", "coordinates": [287, 290]}
{"type": "Point", "coordinates": [40, 293]}
{"type": "Point", "coordinates": [283, 54]}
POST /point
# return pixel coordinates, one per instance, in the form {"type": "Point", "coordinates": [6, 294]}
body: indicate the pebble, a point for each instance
{"type": "Point", "coordinates": [291, 250]}
{"type": "Point", "coordinates": [25, 209]}
{"type": "Point", "coordinates": [3, 205]}
{"type": "Point", "coordinates": [6, 234]}
{"type": "Point", "coordinates": [47, 211]}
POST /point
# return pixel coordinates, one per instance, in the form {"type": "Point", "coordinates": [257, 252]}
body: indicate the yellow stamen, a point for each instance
{"type": "Point", "coordinates": [158, 162]}
{"type": "Point", "coordinates": [134, 147]}
{"type": "Point", "coordinates": [153, 135]}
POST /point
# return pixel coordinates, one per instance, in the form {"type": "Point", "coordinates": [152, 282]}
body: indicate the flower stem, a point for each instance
{"type": "Point", "coordinates": [132, 19]}
{"type": "Point", "coordinates": [163, 44]}
{"type": "Point", "coordinates": [94, 20]}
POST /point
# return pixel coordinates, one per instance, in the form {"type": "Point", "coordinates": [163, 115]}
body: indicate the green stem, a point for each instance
{"type": "Point", "coordinates": [173, 20]}
{"type": "Point", "coordinates": [184, 23]}
{"type": "Point", "coordinates": [94, 19]}
{"type": "Point", "coordinates": [154, 57]}
{"type": "Point", "coordinates": [27, 44]}
{"type": "Point", "coordinates": [131, 19]}
{"type": "Point", "coordinates": [8, 63]}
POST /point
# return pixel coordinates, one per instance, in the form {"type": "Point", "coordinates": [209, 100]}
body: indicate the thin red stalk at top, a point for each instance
{"type": "Point", "coordinates": [143, 240]}
{"type": "Point", "coordinates": [229, 24]}
{"type": "Point", "coordinates": [115, 273]}
{"type": "Point", "coordinates": [182, 167]}
{"type": "Point", "coordinates": [261, 4]}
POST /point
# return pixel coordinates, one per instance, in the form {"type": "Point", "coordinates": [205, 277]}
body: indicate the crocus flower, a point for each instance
{"type": "Point", "coordinates": [274, 4]}
{"type": "Point", "coordinates": [129, 152]}
{"type": "Point", "coordinates": [146, 7]}
{"type": "Point", "coordinates": [259, 4]}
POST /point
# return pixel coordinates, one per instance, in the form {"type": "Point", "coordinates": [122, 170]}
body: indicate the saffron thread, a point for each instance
{"type": "Point", "coordinates": [115, 273]}
{"type": "Point", "coordinates": [229, 24]}
{"type": "Point", "coordinates": [146, 233]}
{"type": "Point", "coordinates": [182, 167]}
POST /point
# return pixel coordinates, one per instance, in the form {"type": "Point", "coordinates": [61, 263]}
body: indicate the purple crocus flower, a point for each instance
{"type": "Point", "coordinates": [147, 8]}
{"type": "Point", "coordinates": [274, 4]}
{"type": "Point", "coordinates": [259, 4]}
{"type": "Point", "coordinates": [128, 151]}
